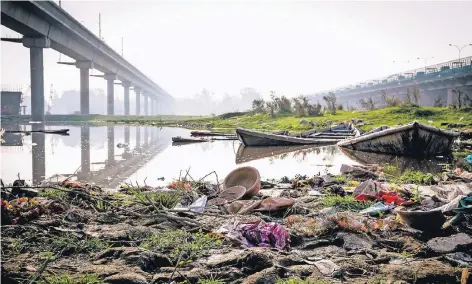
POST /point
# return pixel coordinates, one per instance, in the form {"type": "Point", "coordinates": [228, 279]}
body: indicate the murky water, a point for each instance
{"type": "Point", "coordinates": [94, 154]}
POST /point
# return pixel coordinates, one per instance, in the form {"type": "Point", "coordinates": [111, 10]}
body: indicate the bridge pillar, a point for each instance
{"type": "Point", "coordinates": [110, 93]}
{"type": "Point", "coordinates": [138, 100]}
{"type": "Point", "coordinates": [153, 101]}
{"type": "Point", "coordinates": [450, 97]}
{"type": "Point", "coordinates": [84, 67]}
{"type": "Point", "coordinates": [36, 46]}
{"type": "Point", "coordinates": [126, 86]}
{"type": "Point", "coordinates": [146, 102]}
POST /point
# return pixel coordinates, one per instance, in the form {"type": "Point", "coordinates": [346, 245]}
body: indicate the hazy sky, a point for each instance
{"type": "Point", "coordinates": [291, 47]}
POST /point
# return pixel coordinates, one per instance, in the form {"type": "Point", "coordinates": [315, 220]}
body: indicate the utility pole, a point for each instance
{"type": "Point", "coordinates": [60, 3]}
{"type": "Point", "coordinates": [460, 49]}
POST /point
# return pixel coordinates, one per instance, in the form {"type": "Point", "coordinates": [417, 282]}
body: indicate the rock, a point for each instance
{"type": "Point", "coordinates": [353, 241]}
{"type": "Point", "coordinates": [118, 232]}
{"type": "Point", "coordinates": [303, 122]}
{"type": "Point", "coordinates": [357, 172]}
{"type": "Point", "coordinates": [126, 278]}
{"type": "Point", "coordinates": [368, 187]}
{"type": "Point", "coordinates": [268, 275]}
{"type": "Point", "coordinates": [326, 267]}
{"type": "Point", "coordinates": [76, 216]}
{"type": "Point", "coordinates": [220, 260]}
{"type": "Point", "coordinates": [459, 258]}
{"type": "Point", "coordinates": [449, 244]}
{"type": "Point", "coordinates": [300, 271]}
{"type": "Point", "coordinates": [421, 271]}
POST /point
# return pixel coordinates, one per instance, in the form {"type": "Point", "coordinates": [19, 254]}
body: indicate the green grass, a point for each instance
{"type": "Point", "coordinates": [67, 279]}
{"type": "Point", "coordinates": [389, 116]}
{"type": "Point", "coordinates": [346, 203]}
{"type": "Point", "coordinates": [408, 176]}
{"type": "Point", "coordinates": [180, 242]}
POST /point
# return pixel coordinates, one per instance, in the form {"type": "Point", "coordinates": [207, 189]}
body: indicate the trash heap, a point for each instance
{"type": "Point", "coordinates": [361, 226]}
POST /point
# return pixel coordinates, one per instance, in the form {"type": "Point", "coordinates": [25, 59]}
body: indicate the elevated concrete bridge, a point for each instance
{"type": "Point", "coordinates": [434, 82]}
{"type": "Point", "coordinates": [44, 24]}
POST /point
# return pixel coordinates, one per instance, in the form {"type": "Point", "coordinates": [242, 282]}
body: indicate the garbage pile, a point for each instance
{"type": "Point", "coordinates": [361, 226]}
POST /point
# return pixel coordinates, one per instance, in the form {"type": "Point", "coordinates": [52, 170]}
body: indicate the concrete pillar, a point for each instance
{"type": "Point", "coordinates": [152, 106]}
{"type": "Point", "coordinates": [38, 154]}
{"type": "Point", "coordinates": [36, 46]}
{"type": "Point", "coordinates": [126, 86]}
{"type": "Point", "coordinates": [138, 100]}
{"type": "Point", "coordinates": [84, 67]}
{"type": "Point", "coordinates": [111, 145]}
{"type": "Point", "coordinates": [146, 106]}
{"type": "Point", "coordinates": [110, 93]}
{"type": "Point", "coordinates": [84, 152]}
{"type": "Point", "coordinates": [450, 97]}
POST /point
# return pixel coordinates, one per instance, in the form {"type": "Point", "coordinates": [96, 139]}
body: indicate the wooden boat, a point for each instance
{"type": "Point", "coordinates": [416, 140]}
{"type": "Point", "coordinates": [209, 133]}
{"type": "Point", "coordinates": [179, 139]}
{"type": "Point", "coordinates": [247, 154]}
{"type": "Point", "coordinates": [256, 138]}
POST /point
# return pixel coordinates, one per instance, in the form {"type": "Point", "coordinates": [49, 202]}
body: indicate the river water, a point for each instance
{"type": "Point", "coordinates": [95, 154]}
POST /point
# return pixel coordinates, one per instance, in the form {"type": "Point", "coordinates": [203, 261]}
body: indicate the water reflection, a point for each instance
{"type": "Point", "coordinates": [147, 156]}
{"type": "Point", "coordinates": [38, 153]}
{"type": "Point", "coordinates": [403, 163]}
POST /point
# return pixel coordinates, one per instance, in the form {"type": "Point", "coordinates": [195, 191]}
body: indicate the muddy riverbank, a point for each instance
{"type": "Point", "coordinates": [307, 229]}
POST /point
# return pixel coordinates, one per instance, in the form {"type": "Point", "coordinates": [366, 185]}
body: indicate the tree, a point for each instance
{"type": "Point", "coordinates": [412, 96]}
{"type": "Point", "coordinates": [271, 107]}
{"type": "Point", "coordinates": [258, 106]}
{"type": "Point", "coordinates": [330, 100]}
{"type": "Point", "coordinates": [298, 107]}
{"type": "Point", "coordinates": [438, 102]}
{"type": "Point", "coordinates": [367, 103]}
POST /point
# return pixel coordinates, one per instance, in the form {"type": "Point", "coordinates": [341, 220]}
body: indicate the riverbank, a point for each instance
{"type": "Point", "coordinates": [439, 117]}
{"type": "Point", "coordinates": [319, 229]}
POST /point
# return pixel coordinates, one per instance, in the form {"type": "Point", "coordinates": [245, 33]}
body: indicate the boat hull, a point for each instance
{"type": "Point", "coordinates": [255, 138]}
{"type": "Point", "coordinates": [417, 140]}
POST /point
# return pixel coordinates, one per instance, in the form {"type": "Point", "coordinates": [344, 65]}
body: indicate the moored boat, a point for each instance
{"type": "Point", "coordinates": [256, 138]}
{"type": "Point", "coordinates": [179, 139]}
{"type": "Point", "coordinates": [209, 133]}
{"type": "Point", "coordinates": [415, 139]}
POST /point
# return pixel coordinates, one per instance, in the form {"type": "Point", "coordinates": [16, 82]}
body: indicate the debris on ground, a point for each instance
{"type": "Point", "coordinates": [366, 225]}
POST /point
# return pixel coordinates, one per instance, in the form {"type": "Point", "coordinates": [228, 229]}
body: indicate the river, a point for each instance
{"type": "Point", "coordinates": [95, 154]}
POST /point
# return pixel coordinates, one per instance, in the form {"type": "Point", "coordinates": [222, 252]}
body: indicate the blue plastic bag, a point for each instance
{"type": "Point", "coordinates": [469, 158]}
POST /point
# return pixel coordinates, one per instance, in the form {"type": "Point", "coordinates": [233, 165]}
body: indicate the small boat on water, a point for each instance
{"type": "Point", "coordinates": [181, 140]}
{"type": "Point", "coordinates": [415, 139]}
{"type": "Point", "coordinates": [282, 138]}
{"type": "Point", "coordinates": [256, 138]}
{"type": "Point", "coordinates": [209, 133]}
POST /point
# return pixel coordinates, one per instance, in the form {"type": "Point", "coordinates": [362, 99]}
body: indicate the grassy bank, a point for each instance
{"type": "Point", "coordinates": [439, 117]}
{"type": "Point", "coordinates": [374, 118]}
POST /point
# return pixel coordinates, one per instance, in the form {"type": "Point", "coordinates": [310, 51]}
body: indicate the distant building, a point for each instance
{"type": "Point", "coordinates": [10, 103]}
